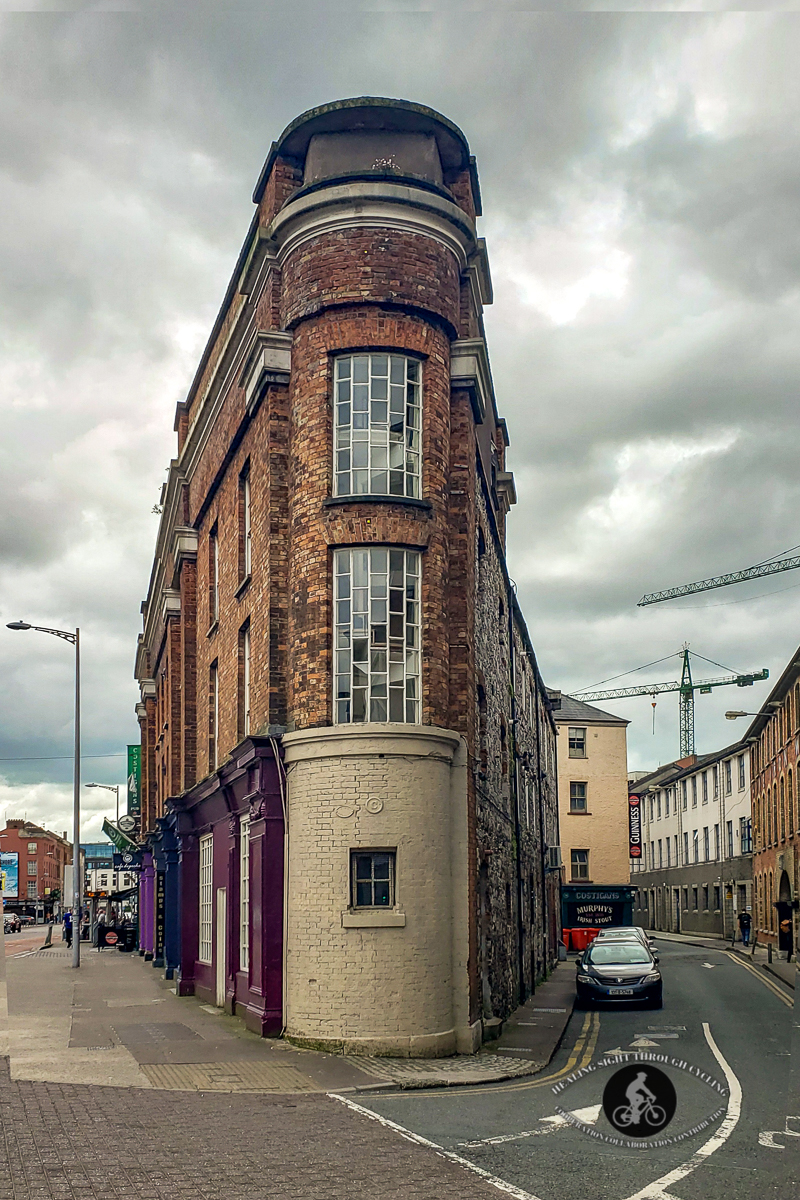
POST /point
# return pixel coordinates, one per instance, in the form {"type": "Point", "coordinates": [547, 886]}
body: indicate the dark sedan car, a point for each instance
{"type": "Point", "coordinates": [614, 971]}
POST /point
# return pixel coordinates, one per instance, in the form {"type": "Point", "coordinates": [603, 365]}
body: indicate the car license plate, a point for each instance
{"type": "Point", "coordinates": [620, 991]}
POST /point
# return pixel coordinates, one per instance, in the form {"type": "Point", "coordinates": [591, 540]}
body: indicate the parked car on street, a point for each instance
{"type": "Point", "coordinates": [24, 919]}
{"type": "Point", "coordinates": [618, 971]}
{"type": "Point", "coordinates": [626, 933]}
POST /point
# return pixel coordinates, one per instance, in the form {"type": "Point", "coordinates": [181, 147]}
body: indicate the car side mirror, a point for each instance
{"type": "Point", "coordinates": [656, 958]}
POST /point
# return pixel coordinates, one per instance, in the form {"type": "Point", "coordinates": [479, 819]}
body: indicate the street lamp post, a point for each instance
{"type": "Point", "coordinates": [109, 787]}
{"type": "Point", "coordinates": [77, 889]}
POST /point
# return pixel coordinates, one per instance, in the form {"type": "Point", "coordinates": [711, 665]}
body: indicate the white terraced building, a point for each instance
{"type": "Point", "coordinates": [695, 874]}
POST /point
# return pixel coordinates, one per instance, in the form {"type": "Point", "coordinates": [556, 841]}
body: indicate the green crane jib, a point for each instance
{"type": "Point", "coordinates": [687, 688]}
{"type": "Point", "coordinates": [718, 581]}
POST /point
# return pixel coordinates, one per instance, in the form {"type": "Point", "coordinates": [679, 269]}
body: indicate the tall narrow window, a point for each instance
{"type": "Point", "coordinates": [377, 425]}
{"type": "Point", "coordinates": [579, 863]}
{"type": "Point", "coordinates": [213, 577]}
{"type": "Point", "coordinates": [377, 635]}
{"type": "Point", "coordinates": [705, 844]}
{"type": "Point", "coordinates": [577, 743]}
{"type": "Point", "coordinates": [705, 787]}
{"type": "Point", "coordinates": [206, 896]}
{"type": "Point", "coordinates": [686, 849]}
{"type": "Point", "coordinates": [694, 791]}
{"type": "Point", "coordinates": [213, 715]}
{"type": "Point", "coordinates": [716, 842]}
{"type": "Point", "coordinates": [782, 787]}
{"type": "Point", "coordinates": [244, 680]}
{"type": "Point", "coordinates": [683, 793]}
{"type": "Point", "coordinates": [245, 526]}
{"type": "Point", "coordinates": [244, 893]}
{"type": "Point", "coordinates": [728, 777]}
{"type": "Point", "coordinates": [577, 797]}
{"type": "Point", "coordinates": [790, 803]}
{"type": "Point", "coordinates": [740, 761]}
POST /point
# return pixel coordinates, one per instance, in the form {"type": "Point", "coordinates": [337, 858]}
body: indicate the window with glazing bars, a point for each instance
{"type": "Point", "coordinates": [377, 635]}
{"type": "Point", "coordinates": [372, 874]}
{"type": "Point", "coordinates": [244, 893]}
{"type": "Point", "coordinates": [377, 424]}
{"type": "Point", "coordinates": [206, 896]}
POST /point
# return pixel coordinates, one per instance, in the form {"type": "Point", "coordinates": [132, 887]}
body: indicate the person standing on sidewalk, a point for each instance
{"type": "Point", "coordinates": [745, 921]}
{"type": "Point", "coordinates": [68, 928]}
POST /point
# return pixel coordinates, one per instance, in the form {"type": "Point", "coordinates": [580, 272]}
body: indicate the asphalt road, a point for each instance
{"type": "Point", "coordinates": [727, 1019]}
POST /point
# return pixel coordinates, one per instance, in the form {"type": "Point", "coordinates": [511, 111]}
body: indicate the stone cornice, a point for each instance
{"type": "Point", "coordinates": [270, 361]}
{"type": "Point", "coordinates": [469, 369]}
{"type": "Point", "coordinates": [377, 203]}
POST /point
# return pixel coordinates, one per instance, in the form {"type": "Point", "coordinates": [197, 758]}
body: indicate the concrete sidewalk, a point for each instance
{"type": "Point", "coordinates": [785, 972]}
{"type": "Point", "coordinates": [117, 1022]}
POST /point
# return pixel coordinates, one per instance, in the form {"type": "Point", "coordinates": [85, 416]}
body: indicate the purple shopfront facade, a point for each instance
{"type": "Point", "coordinates": [147, 886]}
{"type": "Point", "coordinates": [248, 788]}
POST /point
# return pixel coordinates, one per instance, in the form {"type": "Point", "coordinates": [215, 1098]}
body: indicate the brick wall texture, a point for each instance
{"type": "Point", "coordinates": [362, 287]}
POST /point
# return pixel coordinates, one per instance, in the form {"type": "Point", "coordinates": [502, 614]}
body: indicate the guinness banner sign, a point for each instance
{"type": "Point", "coordinates": [635, 826]}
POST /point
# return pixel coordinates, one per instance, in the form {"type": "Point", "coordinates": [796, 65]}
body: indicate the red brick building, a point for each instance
{"type": "Point", "coordinates": [330, 595]}
{"type": "Point", "coordinates": [774, 739]}
{"type": "Point", "coordinates": [43, 857]}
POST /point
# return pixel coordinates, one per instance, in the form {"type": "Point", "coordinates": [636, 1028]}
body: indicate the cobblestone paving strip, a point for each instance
{"type": "Point", "coordinates": [76, 1142]}
{"type": "Point", "coordinates": [228, 1077]}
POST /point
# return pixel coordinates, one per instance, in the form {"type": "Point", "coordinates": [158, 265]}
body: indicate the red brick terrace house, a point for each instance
{"type": "Point", "coordinates": [347, 747]}
{"type": "Point", "coordinates": [774, 738]}
{"type": "Point", "coordinates": [42, 858]}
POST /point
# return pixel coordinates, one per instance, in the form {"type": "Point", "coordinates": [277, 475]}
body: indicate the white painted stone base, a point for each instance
{"type": "Point", "coordinates": [385, 982]}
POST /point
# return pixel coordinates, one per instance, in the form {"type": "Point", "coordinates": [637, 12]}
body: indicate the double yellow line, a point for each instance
{"type": "Point", "coordinates": [768, 983]}
{"type": "Point", "coordinates": [580, 1056]}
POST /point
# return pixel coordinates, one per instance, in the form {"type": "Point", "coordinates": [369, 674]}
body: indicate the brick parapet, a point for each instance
{"type": "Point", "coordinates": [371, 266]}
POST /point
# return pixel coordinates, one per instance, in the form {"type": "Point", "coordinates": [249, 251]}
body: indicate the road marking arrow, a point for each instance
{"type": "Point", "coordinates": [588, 1116]}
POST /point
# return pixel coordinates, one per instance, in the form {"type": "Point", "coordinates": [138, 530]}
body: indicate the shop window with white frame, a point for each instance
{"type": "Point", "coordinates": [372, 874]}
{"type": "Point", "coordinates": [206, 897]}
{"type": "Point", "coordinates": [377, 598]}
{"type": "Point", "coordinates": [244, 893]}
{"type": "Point", "coordinates": [377, 425]}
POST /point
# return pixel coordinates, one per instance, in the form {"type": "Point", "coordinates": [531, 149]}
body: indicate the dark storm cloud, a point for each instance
{"type": "Point", "coordinates": [639, 176]}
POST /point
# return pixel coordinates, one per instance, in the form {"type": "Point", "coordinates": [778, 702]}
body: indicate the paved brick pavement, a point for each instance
{"type": "Point", "coordinates": [75, 1142]}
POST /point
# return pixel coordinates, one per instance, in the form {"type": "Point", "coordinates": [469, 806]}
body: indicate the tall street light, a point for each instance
{"type": "Point", "coordinates": [77, 889]}
{"type": "Point", "coordinates": [109, 787]}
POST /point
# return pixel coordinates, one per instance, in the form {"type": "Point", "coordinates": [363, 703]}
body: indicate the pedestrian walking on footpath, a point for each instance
{"type": "Point", "coordinates": [68, 928]}
{"type": "Point", "coordinates": [745, 921]}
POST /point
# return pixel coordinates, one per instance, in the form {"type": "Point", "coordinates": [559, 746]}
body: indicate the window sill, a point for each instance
{"type": "Point", "coordinates": [212, 629]}
{"type": "Point", "coordinates": [369, 498]}
{"type": "Point", "coordinates": [579, 812]}
{"type": "Point", "coordinates": [243, 586]}
{"type": "Point", "coordinates": [371, 918]}
{"type": "Point", "coordinates": [574, 754]}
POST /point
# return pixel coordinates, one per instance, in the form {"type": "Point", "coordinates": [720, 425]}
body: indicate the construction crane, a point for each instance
{"type": "Point", "coordinates": [771, 566]}
{"type": "Point", "coordinates": [686, 687]}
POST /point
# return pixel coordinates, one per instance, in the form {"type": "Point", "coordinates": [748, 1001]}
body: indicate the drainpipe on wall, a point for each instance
{"type": "Point", "coordinates": [517, 823]}
{"type": "Point", "coordinates": [540, 814]}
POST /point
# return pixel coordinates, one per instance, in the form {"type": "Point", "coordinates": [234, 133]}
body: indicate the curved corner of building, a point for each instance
{"type": "Point", "coordinates": [383, 979]}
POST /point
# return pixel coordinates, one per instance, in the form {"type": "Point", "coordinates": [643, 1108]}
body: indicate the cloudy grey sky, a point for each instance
{"type": "Point", "coordinates": [640, 184]}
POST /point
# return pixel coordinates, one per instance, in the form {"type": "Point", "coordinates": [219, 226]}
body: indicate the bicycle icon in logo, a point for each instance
{"type": "Point", "coordinates": [639, 1100]}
